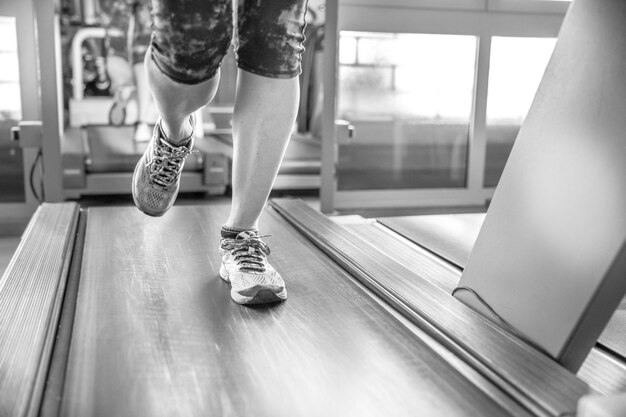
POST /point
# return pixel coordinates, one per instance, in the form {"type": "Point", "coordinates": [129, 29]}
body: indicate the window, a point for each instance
{"type": "Point", "coordinates": [409, 97]}
{"type": "Point", "coordinates": [11, 178]}
{"type": "Point", "coordinates": [10, 107]}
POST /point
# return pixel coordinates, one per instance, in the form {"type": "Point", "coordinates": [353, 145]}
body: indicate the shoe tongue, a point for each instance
{"type": "Point", "coordinates": [246, 234]}
{"type": "Point", "coordinates": [171, 145]}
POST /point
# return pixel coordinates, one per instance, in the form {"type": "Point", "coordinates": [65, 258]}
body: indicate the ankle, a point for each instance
{"type": "Point", "coordinates": [177, 135]}
{"type": "Point", "coordinates": [231, 232]}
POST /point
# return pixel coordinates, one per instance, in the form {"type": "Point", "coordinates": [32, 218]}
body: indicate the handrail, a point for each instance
{"type": "Point", "coordinates": [77, 56]}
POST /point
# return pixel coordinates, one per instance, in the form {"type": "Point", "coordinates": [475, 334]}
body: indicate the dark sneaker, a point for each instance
{"type": "Point", "coordinates": [244, 264]}
{"type": "Point", "coordinates": [157, 175]}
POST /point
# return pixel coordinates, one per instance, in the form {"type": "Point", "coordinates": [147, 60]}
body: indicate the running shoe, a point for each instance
{"type": "Point", "coordinates": [244, 264]}
{"type": "Point", "coordinates": [156, 179]}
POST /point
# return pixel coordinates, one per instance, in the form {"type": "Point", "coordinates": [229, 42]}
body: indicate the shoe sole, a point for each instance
{"type": "Point", "coordinates": [138, 203]}
{"type": "Point", "coordinates": [149, 213]}
{"type": "Point", "coordinates": [262, 295]}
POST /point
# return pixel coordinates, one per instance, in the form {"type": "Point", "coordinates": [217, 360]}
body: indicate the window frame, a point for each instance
{"type": "Point", "coordinates": [481, 18]}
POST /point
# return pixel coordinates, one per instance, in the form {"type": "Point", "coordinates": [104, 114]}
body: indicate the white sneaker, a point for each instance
{"type": "Point", "coordinates": [244, 264]}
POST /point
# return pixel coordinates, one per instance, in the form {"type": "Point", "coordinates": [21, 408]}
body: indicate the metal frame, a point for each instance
{"type": "Point", "coordinates": [529, 6]}
{"type": "Point", "coordinates": [49, 49]}
{"type": "Point", "coordinates": [482, 19]}
{"type": "Point", "coordinates": [23, 12]}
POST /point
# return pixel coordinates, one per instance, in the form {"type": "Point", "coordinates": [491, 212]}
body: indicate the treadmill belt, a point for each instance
{"type": "Point", "coordinates": [156, 333]}
{"type": "Point", "coordinates": [452, 237]}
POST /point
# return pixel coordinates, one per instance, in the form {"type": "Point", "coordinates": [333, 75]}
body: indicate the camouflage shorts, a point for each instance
{"type": "Point", "coordinates": [191, 37]}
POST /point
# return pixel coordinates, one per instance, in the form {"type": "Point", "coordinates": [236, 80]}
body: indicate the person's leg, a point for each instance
{"type": "Point", "coordinates": [269, 48]}
{"type": "Point", "coordinates": [189, 41]}
{"type": "Point", "coordinates": [176, 101]}
{"type": "Point", "coordinates": [266, 103]}
{"type": "Point", "coordinates": [263, 120]}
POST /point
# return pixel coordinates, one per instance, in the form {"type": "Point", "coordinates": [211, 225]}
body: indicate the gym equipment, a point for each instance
{"type": "Point", "coordinates": [97, 148]}
{"type": "Point", "coordinates": [554, 238]}
{"type": "Point", "coordinates": [451, 238]}
{"type": "Point", "coordinates": [101, 159]}
{"type": "Point", "coordinates": [141, 332]}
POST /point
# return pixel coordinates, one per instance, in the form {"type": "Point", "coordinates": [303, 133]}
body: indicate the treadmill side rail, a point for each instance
{"type": "Point", "coordinates": [31, 294]}
{"type": "Point", "coordinates": [532, 378]}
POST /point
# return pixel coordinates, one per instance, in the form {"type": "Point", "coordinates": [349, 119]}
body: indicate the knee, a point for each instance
{"type": "Point", "coordinates": [190, 48]}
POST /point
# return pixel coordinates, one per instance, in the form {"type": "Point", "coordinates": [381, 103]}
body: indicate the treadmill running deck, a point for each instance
{"type": "Point", "coordinates": [155, 332]}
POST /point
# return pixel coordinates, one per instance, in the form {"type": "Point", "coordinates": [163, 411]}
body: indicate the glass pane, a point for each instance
{"type": "Point", "coordinates": [516, 68]}
{"type": "Point", "coordinates": [11, 165]}
{"type": "Point", "coordinates": [409, 97]}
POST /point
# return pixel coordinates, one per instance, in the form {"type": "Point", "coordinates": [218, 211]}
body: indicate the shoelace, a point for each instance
{"type": "Point", "coordinates": [249, 251]}
{"type": "Point", "coordinates": [166, 163]}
